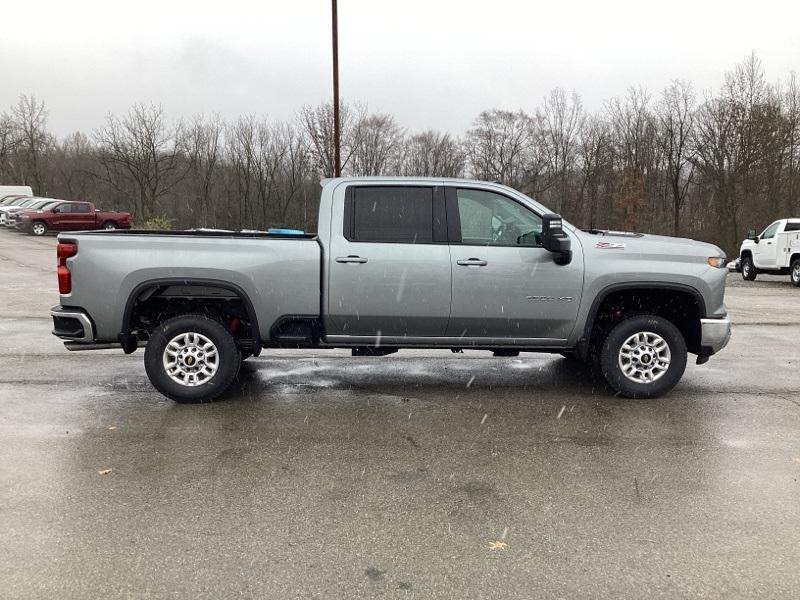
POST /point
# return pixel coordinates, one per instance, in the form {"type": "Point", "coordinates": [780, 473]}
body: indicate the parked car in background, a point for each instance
{"type": "Point", "coordinates": [8, 200]}
{"type": "Point", "coordinates": [775, 251]}
{"type": "Point", "coordinates": [12, 216]}
{"type": "Point", "coordinates": [17, 202]}
{"type": "Point", "coordinates": [72, 216]}
{"type": "Point", "coordinates": [38, 203]}
{"type": "Point", "coordinates": [15, 190]}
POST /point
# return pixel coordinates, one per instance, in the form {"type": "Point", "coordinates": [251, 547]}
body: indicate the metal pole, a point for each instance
{"type": "Point", "coordinates": [337, 155]}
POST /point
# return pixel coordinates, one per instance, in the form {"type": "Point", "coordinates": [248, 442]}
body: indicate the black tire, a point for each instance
{"type": "Point", "coordinates": [748, 269]}
{"type": "Point", "coordinates": [610, 357]}
{"type": "Point", "coordinates": [794, 274]}
{"type": "Point", "coordinates": [228, 359]}
{"type": "Point", "coordinates": [110, 225]}
{"type": "Point", "coordinates": [38, 228]}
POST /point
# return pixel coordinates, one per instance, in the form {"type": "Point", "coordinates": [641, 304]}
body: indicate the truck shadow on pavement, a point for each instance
{"type": "Point", "coordinates": [263, 378]}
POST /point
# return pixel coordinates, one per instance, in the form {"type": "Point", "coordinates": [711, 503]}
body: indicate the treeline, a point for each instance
{"type": "Point", "coordinates": [706, 166]}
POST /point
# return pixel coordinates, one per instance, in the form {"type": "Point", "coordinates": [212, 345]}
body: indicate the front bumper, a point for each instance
{"type": "Point", "coordinates": [715, 335]}
{"type": "Point", "coordinates": [72, 325]}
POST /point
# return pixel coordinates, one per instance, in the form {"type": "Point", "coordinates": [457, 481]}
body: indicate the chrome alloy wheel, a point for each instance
{"type": "Point", "coordinates": [191, 359]}
{"type": "Point", "coordinates": [39, 228]}
{"type": "Point", "coordinates": [796, 272]}
{"type": "Point", "coordinates": [644, 357]}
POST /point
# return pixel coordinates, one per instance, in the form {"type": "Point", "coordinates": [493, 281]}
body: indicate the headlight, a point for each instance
{"type": "Point", "coordinates": [718, 262]}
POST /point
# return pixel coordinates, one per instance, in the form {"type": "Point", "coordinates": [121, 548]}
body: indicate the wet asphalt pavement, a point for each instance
{"type": "Point", "coordinates": [418, 475]}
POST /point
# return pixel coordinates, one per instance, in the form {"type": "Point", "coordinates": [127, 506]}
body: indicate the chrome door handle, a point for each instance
{"type": "Point", "coordinates": [472, 262]}
{"type": "Point", "coordinates": [351, 259]}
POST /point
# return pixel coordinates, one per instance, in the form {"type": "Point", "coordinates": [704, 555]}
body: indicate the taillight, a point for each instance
{"type": "Point", "coordinates": [63, 251]}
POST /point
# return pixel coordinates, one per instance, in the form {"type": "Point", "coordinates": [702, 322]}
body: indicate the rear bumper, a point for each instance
{"type": "Point", "coordinates": [715, 335]}
{"type": "Point", "coordinates": [72, 325]}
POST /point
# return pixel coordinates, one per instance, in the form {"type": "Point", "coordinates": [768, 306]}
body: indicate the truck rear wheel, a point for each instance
{"type": "Point", "coordinates": [748, 269]}
{"type": "Point", "coordinates": [191, 359]}
{"type": "Point", "coordinates": [795, 274]}
{"type": "Point", "coordinates": [109, 225]}
{"type": "Point", "coordinates": [643, 357]}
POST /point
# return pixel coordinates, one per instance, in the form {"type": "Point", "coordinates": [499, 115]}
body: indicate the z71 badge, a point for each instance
{"type": "Point", "coordinates": [610, 245]}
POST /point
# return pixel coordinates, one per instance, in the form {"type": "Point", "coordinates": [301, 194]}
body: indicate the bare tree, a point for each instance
{"type": "Point", "coordinates": [30, 123]}
{"type": "Point", "coordinates": [500, 147]}
{"type": "Point", "coordinates": [635, 156]}
{"type": "Point", "coordinates": [594, 150]}
{"type": "Point", "coordinates": [8, 143]}
{"type": "Point", "coordinates": [379, 150]}
{"type": "Point", "coordinates": [559, 122]}
{"type": "Point", "coordinates": [141, 153]}
{"type": "Point", "coordinates": [317, 126]}
{"type": "Point", "coordinates": [203, 149]}
{"type": "Point", "coordinates": [72, 165]}
{"type": "Point", "coordinates": [433, 154]}
{"type": "Point", "coordinates": [675, 115]}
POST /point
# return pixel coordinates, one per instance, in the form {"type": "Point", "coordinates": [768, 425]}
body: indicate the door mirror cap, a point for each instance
{"type": "Point", "coordinates": [751, 234]}
{"type": "Point", "coordinates": [555, 240]}
{"type": "Point", "coordinates": [55, 210]}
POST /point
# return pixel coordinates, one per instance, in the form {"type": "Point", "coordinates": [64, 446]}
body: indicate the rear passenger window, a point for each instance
{"type": "Point", "coordinates": [80, 208]}
{"type": "Point", "coordinates": [792, 227]}
{"type": "Point", "coordinates": [390, 214]}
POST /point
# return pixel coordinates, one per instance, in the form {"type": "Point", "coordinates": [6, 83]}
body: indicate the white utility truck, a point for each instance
{"type": "Point", "coordinates": [776, 251]}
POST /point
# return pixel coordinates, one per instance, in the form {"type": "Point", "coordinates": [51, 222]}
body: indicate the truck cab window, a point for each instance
{"type": "Point", "coordinates": [490, 219]}
{"type": "Point", "coordinates": [769, 232]}
{"type": "Point", "coordinates": [391, 214]}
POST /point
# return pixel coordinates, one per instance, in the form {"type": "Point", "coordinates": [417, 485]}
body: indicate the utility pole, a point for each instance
{"type": "Point", "coordinates": [337, 154]}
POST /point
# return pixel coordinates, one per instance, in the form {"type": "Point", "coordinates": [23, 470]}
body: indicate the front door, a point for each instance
{"type": "Point", "coordinates": [765, 252]}
{"type": "Point", "coordinates": [389, 264]}
{"type": "Point", "coordinates": [505, 285]}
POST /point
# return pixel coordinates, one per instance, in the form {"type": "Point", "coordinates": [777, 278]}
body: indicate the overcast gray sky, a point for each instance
{"type": "Point", "coordinates": [430, 63]}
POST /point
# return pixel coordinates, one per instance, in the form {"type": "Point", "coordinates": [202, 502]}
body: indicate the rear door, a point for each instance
{"type": "Point", "coordinates": [505, 285]}
{"type": "Point", "coordinates": [389, 263]}
{"type": "Point", "coordinates": [82, 216]}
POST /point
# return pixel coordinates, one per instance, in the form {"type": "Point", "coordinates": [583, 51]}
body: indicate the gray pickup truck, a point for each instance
{"type": "Point", "coordinates": [397, 263]}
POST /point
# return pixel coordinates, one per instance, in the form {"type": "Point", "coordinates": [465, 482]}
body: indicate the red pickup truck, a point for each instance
{"type": "Point", "coordinates": [71, 216]}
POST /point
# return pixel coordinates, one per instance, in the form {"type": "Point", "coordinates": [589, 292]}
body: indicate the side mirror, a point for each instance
{"type": "Point", "coordinates": [55, 210]}
{"type": "Point", "coordinates": [751, 234]}
{"type": "Point", "coordinates": [555, 240]}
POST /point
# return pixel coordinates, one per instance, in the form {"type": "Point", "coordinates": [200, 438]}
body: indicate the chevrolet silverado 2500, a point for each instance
{"type": "Point", "coordinates": [397, 263]}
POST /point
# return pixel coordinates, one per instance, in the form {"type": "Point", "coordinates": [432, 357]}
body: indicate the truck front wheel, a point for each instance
{"type": "Point", "coordinates": [748, 269]}
{"type": "Point", "coordinates": [191, 358]}
{"type": "Point", "coordinates": [643, 357]}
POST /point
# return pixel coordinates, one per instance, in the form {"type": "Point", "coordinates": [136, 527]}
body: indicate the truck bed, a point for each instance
{"type": "Point", "coordinates": [280, 274]}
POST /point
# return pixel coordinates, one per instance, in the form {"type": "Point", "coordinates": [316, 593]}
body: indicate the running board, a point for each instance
{"type": "Point", "coordinates": [77, 346]}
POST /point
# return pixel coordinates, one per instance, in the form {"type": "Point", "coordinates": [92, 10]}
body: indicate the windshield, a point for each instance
{"type": "Point", "coordinates": [37, 205]}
